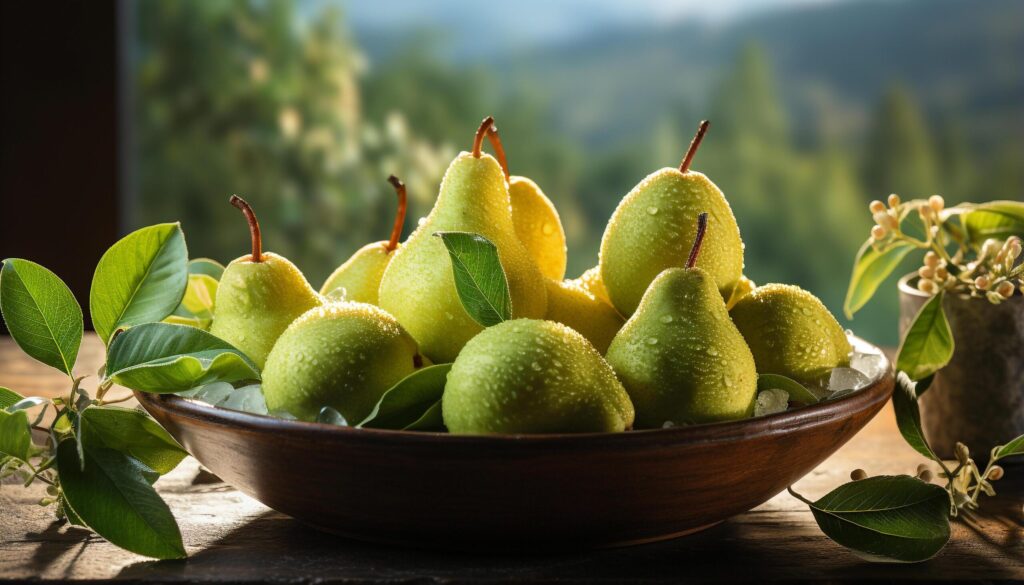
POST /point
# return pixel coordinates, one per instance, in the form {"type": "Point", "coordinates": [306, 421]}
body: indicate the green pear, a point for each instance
{"type": "Point", "coordinates": [534, 216]}
{"type": "Point", "coordinates": [652, 228]}
{"type": "Point", "coordinates": [679, 356]}
{"type": "Point", "coordinates": [571, 304]}
{"type": "Point", "coordinates": [791, 333]}
{"type": "Point", "coordinates": [259, 295]}
{"type": "Point", "coordinates": [533, 376]}
{"type": "Point", "coordinates": [359, 277]}
{"type": "Point", "coordinates": [418, 286]}
{"type": "Point", "coordinates": [744, 287]}
{"type": "Point", "coordinates": [344, 355]}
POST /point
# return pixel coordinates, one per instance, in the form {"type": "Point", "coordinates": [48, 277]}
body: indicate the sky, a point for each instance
{"type": "Point", "coordinates": [490, 27]}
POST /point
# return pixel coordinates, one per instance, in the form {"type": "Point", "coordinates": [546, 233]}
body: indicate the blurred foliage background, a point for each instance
{"type": "Point", "coordinates": [304, 109]}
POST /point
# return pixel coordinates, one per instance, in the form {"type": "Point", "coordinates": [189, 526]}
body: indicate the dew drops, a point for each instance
{"type": "Point", "coordinates": [535, 366]}
{"type": "Point", "coordinates": [652, 341]}
{"type": "Point", "coordinates": [421, 221]}
{"type": "Point", "coordinates": [547, 229]}
{"type": "Point", "coordinates": [652, 210]}
{"type": "Point", "coordinates": [666, 318]}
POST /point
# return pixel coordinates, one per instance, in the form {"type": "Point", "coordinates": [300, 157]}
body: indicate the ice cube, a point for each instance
{"type": "Point", "coordinates": [246, 399]}
{"type": "Point", "coordinates": [871, 365]}
{"type": "Point", "coordinates": [211, 394]}
{"type": "Point", "coordinates": [771, 401]}
{"type": "Point", "coordinates": [847, 379]}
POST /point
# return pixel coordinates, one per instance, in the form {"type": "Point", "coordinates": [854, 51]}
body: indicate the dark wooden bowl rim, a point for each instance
{"type": "Point", "coordinates": [763, 426]}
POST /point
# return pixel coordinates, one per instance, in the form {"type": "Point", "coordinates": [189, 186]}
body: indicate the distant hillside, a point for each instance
{"type": "Point", "coordinates": [831, 64]}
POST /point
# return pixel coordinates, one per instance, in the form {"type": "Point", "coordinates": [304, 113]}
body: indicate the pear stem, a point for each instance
{"type": "Point", "coordinates": [702, 227]}
{"type": "Point", "coordinates": [694, 145]}
{"type": "Point", "coordinates": [499, 149]}
{"type": "Point", "coordinates": [480, 132]}
{"type": "Point", "coordinates": [254, 226]}
{"type": "Point", "coordinates": [403, 202]}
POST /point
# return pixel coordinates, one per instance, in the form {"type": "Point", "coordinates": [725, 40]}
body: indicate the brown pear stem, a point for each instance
{"type": "Point", "coordinates": [480, 132]}
{"type": "Point", "coordinates": [702, 227]}
{"type": "Point", "coordinates": [403, 202]}
{"type": "Point", "coordinates": [499, 149]}
{"type": "Point", "coordinates": [254, 226]}
{"type": "Point", "coordinates": [694, 145]}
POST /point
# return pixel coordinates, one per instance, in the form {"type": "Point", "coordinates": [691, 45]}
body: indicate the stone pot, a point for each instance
{"type": "Point", "coordinates": [978, 398]}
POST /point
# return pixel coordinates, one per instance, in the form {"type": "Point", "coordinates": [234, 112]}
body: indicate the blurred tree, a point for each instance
{"type": "Point", "coordinates": [245, 97]}
{"type": "Point", "coordinates": [899, 157]}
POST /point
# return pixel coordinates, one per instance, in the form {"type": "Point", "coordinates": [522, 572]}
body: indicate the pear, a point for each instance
{"type": "Point", "coordinates": [743, 288]}
{"type": "Point", "coordinates": [534, 216]}
{"type": "Point", "coordinates": [418, 286]}
{"type": "Point", "coordinates": [791, 333]}
{"type": "Point", "coordinates": [651, 229]}
{"type": "Point", "coordinates": [358, 278]}
{"type": "Point", "coordinates": [259, 295]}
{"type": "Point", "coordinates": [344, 355]}
{"type": "Point", "coordinates": [533, 376]}
{"type": "Point", "coordinates": [591, 281]}
{"type": "Point", "coordinates": [679, 356]}
{"type": "Point", "coordinates": [571, 304]}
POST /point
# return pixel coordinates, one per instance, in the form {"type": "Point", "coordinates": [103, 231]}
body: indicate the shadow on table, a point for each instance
{"type": "Point", "coordinates": [61, 538]}
{"type": "Point", "coordinates": [274, 547]}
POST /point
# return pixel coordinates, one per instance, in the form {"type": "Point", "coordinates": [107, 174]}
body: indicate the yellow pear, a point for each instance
{"type": "Point", "coordinates": [358, 279]}
{"type": "Point", "coordinates": [571, 304]}
{"type": "Point", "coordinates": [534, 216]}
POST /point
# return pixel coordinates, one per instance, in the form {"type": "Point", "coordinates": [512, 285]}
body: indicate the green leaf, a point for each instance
{"type": "Point", "coordinates": [908, 415]}
{"type": "Point", "coordinates": [1014, 447]}
{"type": "Point", "coordinates": [407, 402]}
{"type": "Point", "coordinates": [160, 357]}
{"type": "Point", "coordinates": [479, 278]}
{"type": "Point", "coordinates": [870, 269]}
{"type": "Point", "coordinates": [140, 279]}
{"type": "Point", "coordinates": [886, 518]}
{"type": "Point", "coordinates": [206, 266]}
{"type": "Point", "coordinates": [8, 398]}
{"type": "Point", "coordinates": [134, 433]}
{"type": "Point", "coordinates": [432, 420]}
{"type": "Point", "coordinates": [928, 344]}
{"type": "Point", "coordinates": [111, 495]}
{"type": "Point", "coordinates": [995, 219]}
{"type": "Point", "coordinates": [797, 391]}
{"type": "Point", "coordinates": [15, 435]}
{"type": "Point", "coordinates": [41, 314]}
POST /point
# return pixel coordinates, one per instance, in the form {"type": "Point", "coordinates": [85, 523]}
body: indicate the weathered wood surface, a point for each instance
{"type": "Point", "coordinates": [232, 538]}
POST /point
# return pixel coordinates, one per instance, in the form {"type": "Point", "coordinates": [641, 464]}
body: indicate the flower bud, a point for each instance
{"type": "Point", "coordinates": [1005, 289]}
{"type": "Point", "coordinates": [995, 473]}
{"type": "Point", "coordinates": [1013, 248]}
{"type": "Point", "coordinates": [858, 474]}
{"type": "Point", "coordinates": [876, 206]}
{"type": "Point", "coordinates": [990, 247]}
{"type": "Point", "coordinates": [878, 232]}
{"type": "Point", "coordinates": [994, 297]}
{"type": "Point", "coordinates": [925, 476]}
{"type": "Point", "coordinates": [925, 212]}
{"type": "Point", "coordinates": [894, 200]}
{"type": "Point", "coordinates": [962, 452]}
{"type": "Point", "coordinates": [926, 286]}
{"type": "Point", "coordinates": [941, 273]}
{"type": "Point", "coordinates": [921, 467]}
{"type": "Point", "coordinates": [937, 203]}
{"type": "Point", "coordinates": [926, 272]}
{"type": "Point", "coordinates": [885, 220]}
{"type": "Point", "coordinates": [981, 283]}
{"type": "Point", "coordinates": [931, 259]}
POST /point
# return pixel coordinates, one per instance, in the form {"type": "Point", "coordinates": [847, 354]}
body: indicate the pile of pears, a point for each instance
{"type": "Point", "coordinates": [664, 331]}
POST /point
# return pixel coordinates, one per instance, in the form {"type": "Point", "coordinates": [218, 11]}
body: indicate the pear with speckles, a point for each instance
{"type": "Point", "coordinates": [344, 355]}
{"type": "Point", "coordinates": [591, 281]}
{"type": "Point", "coordinates": [680, 357]}
{"type": "Point", "coordinates": [534, 217]}
{"type": "Point", "coordinates": [652, 227]}
{"type": "Point", "coordinates": [791, 333]}
{"type": "Point", "coordinates": [532, 376]}
{"type": "Point", "coordinates": [571, 304]}
{"type": "Point", "coordinates": [358, 279]}
{"type": "Point", "coordinates": [418, 286]}
{"type": "Point", "coordinates": [259, 295]}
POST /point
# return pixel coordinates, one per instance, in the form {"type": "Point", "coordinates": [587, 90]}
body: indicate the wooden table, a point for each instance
{"type": "Point", "coordinates": [232, 538]}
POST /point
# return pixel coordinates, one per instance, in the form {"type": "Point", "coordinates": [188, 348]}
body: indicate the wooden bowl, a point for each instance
{"type": "Point", "coordinates": [530, 492]}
